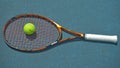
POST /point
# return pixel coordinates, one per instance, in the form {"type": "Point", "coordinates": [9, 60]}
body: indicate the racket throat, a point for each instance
{"type": "Point", "coordinates": [78, 34]}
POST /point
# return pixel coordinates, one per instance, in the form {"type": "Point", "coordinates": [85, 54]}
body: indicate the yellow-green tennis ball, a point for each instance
{"type": "Point", "coordinates": [29, 29]}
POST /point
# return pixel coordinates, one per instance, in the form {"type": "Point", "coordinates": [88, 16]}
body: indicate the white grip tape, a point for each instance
{"type": "Point", "coordinates": [102, 38]}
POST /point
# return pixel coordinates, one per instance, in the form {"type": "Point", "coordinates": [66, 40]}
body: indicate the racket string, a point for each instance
{"type": "Point", "coordinates": [46, 33]}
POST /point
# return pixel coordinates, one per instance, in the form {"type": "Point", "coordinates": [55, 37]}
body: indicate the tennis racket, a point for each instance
{"type": "Point", "coordinates": [47, 33]}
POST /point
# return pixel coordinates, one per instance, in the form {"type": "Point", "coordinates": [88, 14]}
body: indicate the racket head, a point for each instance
{"type": "Point", "coordinates": [47, 33]}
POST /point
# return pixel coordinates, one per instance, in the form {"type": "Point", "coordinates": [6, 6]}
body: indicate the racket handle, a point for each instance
{"type": "Point", "coordinates": [102, 38]}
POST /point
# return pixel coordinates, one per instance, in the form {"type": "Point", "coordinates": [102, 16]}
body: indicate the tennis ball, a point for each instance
{"type": "Point", "coordinates": [29, 29]}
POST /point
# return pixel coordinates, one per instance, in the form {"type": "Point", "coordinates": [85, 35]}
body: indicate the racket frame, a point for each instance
{"type": "Point", "coordinates": [59, 28]}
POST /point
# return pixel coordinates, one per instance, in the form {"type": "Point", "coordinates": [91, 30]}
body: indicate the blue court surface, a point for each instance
{"type": "Point", "coordinates": [87, 16]}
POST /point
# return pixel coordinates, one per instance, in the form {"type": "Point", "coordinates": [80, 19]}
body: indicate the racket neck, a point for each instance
{"type": "Point", "coordinates": [78, 34]}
